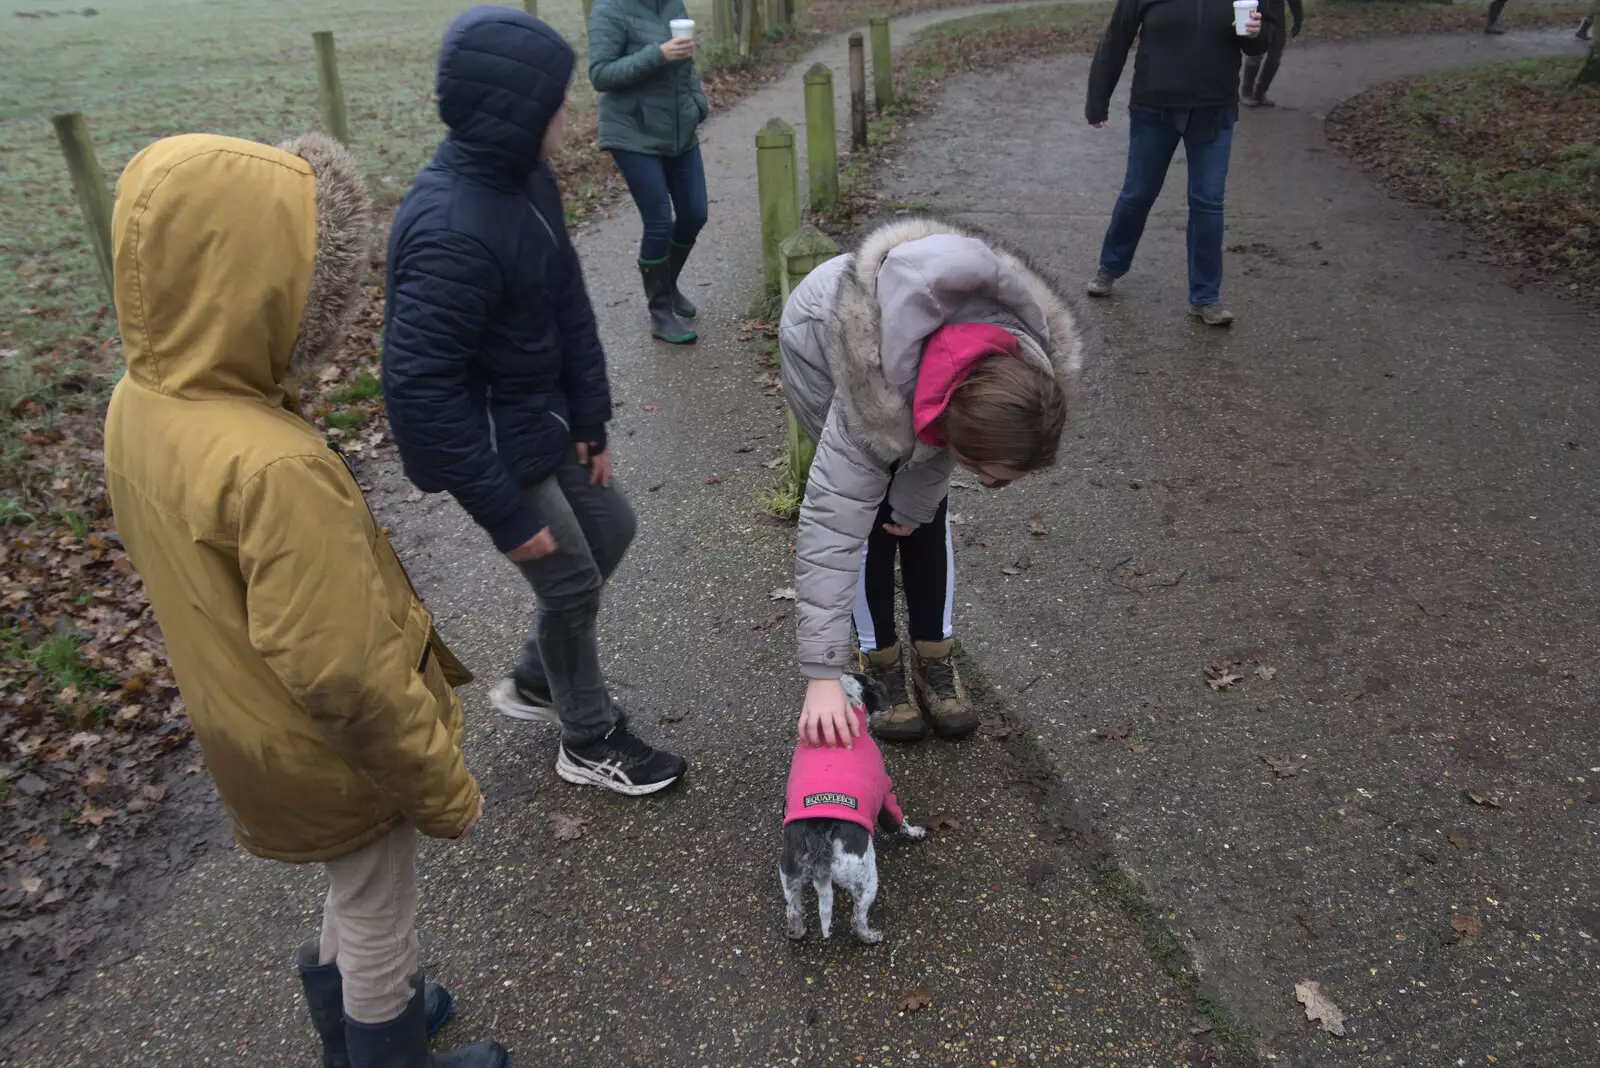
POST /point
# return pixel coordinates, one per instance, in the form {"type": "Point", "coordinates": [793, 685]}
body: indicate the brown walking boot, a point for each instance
{"type": "Point", "coordinates": [899, 720]}
{"type": "Point", "coordinates": [939, 690]}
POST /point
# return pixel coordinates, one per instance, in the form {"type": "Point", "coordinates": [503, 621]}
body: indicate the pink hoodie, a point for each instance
{"type": "Point", "coordinates": [841, 784]}
{"type": "Point", "coordinates": [951, 354]}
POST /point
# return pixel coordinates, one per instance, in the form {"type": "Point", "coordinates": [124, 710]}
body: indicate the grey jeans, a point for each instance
{"type": "Point", "coordinates": [593, 527]}
{"type": "Point", "coordinates": [1260, 70]}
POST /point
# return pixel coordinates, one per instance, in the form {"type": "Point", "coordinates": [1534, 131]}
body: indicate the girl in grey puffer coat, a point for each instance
{"type": "Point", "coordinates": [928, 348]}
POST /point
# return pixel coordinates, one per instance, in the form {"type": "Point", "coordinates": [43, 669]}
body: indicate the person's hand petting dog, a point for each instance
{"type": "Point", "coordinates": [827, 718]}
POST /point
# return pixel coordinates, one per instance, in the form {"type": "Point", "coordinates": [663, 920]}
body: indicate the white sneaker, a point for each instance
{"type": "Point", "coordinates": [510, 700]}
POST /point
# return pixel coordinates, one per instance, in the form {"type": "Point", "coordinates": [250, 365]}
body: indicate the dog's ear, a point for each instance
{"type": "Point", "coordinates": [864, 688]}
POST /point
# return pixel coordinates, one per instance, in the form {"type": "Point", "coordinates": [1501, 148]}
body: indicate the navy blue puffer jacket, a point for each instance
{"type": "Point", "coordinates": [492, 366]}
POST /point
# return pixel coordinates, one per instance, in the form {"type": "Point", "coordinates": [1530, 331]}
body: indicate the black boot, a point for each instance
{"type": "Point", "coordinates": [678, 256]}
{"type": "Point", "coordinates": [664, 323]}
{"type": "Point", "coordinates": [403, 1043]}
{"type": "Point", "coordinates": [324, 989]}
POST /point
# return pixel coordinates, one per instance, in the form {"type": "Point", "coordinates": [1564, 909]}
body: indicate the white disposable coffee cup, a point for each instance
{"type": "Point", "coordinates": [685, 27]}
{"type": "Point", "coordinates": [1241, 15]}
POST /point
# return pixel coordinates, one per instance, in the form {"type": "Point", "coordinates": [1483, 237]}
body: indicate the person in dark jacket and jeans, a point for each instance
{"type": "Point", "coordinates": [651, 105]}
{"type": "Point", "coordinates": [1260, 70]}
{"type": "Point", "coordinates": [1185, 88]}
{"type": "Point", "coordinates": [495, 381]}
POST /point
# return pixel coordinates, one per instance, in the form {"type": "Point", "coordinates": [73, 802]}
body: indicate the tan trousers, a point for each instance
{"type": "Point", "coordinates": [369, 925]}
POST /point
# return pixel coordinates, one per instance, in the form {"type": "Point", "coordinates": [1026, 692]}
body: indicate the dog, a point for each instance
{"type": "Point", "coordinates": [835, 799]}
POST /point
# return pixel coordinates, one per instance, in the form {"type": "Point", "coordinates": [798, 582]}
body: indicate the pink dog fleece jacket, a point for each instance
{"type": "Point", "coordinates": [841, 784]}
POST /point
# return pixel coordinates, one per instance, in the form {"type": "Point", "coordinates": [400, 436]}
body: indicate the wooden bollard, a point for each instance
{"type": "Point", "coordinates": [882, 62]}
{"type": "Point", "coordinates": [858, 93]}
{"type": "Point", "coordinates": [89, 183]}
{"type": "Point", "coordinates": [822, 139]}
{"type": "Point", "coordinates": [803, 252]}
{"type": "Point", "coordinates": [333, 116]}
{"type": "Point", "coordinates": [778, 190]}
{"type": "Point", "coordinates": [751, 28]}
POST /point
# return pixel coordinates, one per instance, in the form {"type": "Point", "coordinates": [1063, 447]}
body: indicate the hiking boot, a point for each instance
{"type": "Point", "coordinates": [898, 719]}
{"type": "Point", "coordinates": [1492, 30]}
{"type": "Point", "coordinates": [678, 255]}
{"type": "Point", "coordinates": [621, 762]}
{"type": "Point", "coordinates": [940, 691]}
{"type": "Point", "coordinates": [1100, 285]}
{"type": "Point", "coordinates": [664, 322]}
{"type": "Point", "coordinates": [1584, 28]}
{"type": "Point", "coordinates": [403, 1042]}
{"type": "Point", "coordinates": [324, 990]}
{"type": "Point", "coordinates": [1212, 314]}
{"type": "Point", "coordinates": [1260, 100]}
{"type": "Point", "coordinates": [525, 701]}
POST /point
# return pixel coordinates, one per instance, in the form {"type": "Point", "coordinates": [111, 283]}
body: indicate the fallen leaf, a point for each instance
{"type": "Point", "coordinates": [1011, 569]}
{"type": "Point", "coordinates": [1486, 800]}
{"type": "Point", "coordinates": [914, 1000]}
{"type": "Point", "coordinates": [1468, 926]}
{"type": "Point", "coordinates": [31, 884]}
{"type": "Point", "coordinates": [414, 496]}
{"type": "Point", "coordinates": [1220, 676]}
{"type": "Point", "coordinates": [1459, 839]}
{"type": "Point", "coordinates": [330, 373]}
{"type": "Point", "coordinates": [1282, 767]}
{"type": "Point", "coordinates": [745, 448]}
{"type": "Point", "coordinates": [944, 822]}
{"type": "Point", "coordinates": [783, 593]}
{"type": "Point", "coordinates": [1038, 529]}
{"type": "Point", "coordinates": [774, 463]}
{"type": "Point", "coordinates": [1117, 731]}
{"type": "Point", "coordinates": [568, 828]}
{"type": "Point", "coordinates": [94, 815]}
{"type": "Point", "coordinates": [1319, 1007]}
{"type": "Point", "coordinates": [677, 715]}
{"type": "Point", "coordinates": [650, 407]}
{"type": "Point", "coordinates": [713, 480]}
{"type": "Point", "coordinates": [1266, 673]}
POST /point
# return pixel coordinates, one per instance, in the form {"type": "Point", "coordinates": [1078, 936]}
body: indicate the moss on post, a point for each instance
{"type": "Point", "coordinates": [778, 190]}
{"type": "Point", "coordinates": [882, 62]}
{"type": "Point", "coordinates": [822, 139]}
{"type": "Point", "coordinates": [89, 183]}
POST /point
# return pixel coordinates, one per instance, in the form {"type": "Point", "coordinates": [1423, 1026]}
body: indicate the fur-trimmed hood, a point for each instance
{"type": "Point", "coordinates": [237, 266]}
{"type": "Point", "coordinates": [909, 278]}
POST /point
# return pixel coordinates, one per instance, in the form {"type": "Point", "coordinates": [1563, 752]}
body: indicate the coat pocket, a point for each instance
{"type": "Point", "coordinates": [431, 658]}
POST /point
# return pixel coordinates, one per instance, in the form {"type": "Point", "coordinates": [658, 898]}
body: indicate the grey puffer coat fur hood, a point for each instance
{"type": "Point", "coordinates": [851, 340]}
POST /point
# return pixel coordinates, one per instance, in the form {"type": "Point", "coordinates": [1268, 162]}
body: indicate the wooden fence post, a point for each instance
{"type": "Point", "coordinates": [803, 252]}
{"type": "Point", "coordinates": [882, 62]}
{"type": "Point", "coordinates": [778, 190]}
{"type": "Point", "coordinates": [333, 116]}
{"type": "Point", "coordinates": [822, 139]}
{"type": "Point", "coordinates": [722, 23]}
{"type": "Point", "coordinates": [858, 93]}
{"type": "Point", "coordinates": [89, 183]}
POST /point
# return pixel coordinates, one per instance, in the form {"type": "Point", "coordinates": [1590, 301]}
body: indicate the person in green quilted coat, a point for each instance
{"type": "Point", "coordinates": [651, 106]}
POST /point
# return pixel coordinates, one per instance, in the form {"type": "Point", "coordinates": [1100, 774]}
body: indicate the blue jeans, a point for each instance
{"type": "Point", "coordinates": [1153, 136]}
{"type": "Point", "coordinates": [662, 186]}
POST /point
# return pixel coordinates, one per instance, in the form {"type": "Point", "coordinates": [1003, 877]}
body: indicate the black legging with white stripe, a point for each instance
{"type": "Point", "coordinates": [927, 570]}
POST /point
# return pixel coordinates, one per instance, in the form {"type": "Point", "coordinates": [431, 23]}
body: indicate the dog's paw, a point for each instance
{"type": "Point", "coordinates": [916, 834]}
{"type": "Point", "coordinates": [796, 929]}
{"type": "Point", "coordinates": [869, 936]}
